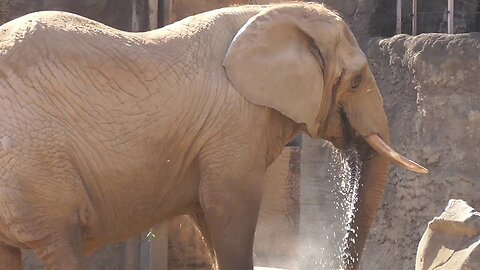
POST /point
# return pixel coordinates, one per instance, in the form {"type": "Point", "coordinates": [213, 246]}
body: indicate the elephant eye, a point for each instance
{"type": "Point", "coordinates": [356, 81]}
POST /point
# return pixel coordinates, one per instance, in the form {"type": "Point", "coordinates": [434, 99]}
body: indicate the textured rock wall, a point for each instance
{"type": "Point", "coordinates": [432, 95]}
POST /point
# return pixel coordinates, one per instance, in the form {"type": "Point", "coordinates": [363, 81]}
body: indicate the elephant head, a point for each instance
{"type": "Point", "coordinates": [303, 61]}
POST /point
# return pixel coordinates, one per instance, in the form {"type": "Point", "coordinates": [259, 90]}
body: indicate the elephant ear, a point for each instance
{"type": "Point", "coordinates": [272, 62]}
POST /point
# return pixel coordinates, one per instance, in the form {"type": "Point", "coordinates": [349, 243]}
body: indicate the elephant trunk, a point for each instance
{"type": "Point", "coordinates": [373, 179]}
{"type": "Point", "coordinates": [367, 127]}
{"type": "Point", "coordinates": [375, 155]}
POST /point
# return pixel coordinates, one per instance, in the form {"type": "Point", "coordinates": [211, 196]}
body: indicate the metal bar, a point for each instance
{"type": "Point", "coordinates": [414, 17]}
{"type": "Point", "coordinates": [152, 14]}
{"type": "Point", "coordinates": [399, 17]}
{"type": "Point", "coordinates": [451, 12]}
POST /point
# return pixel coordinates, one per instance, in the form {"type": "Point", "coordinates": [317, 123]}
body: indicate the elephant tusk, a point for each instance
{"type": "Point", "coordinates": [384, 149]}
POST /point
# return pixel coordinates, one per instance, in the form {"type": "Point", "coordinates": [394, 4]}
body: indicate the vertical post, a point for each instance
{"type": "Point", "coordinates": [159, 247]}
{"type": "Point", "coordinates": [132, 254]}
{"type": "Point", "coordinates": [165, 13]}
{"type": "Point", "coordinates": [135, 17]}
{"type": "Point", "coordinates": [152, 14]}
{"type": "Point", "coordinates": [451, 12]}
{"type": "Point", "coordinates": [414, 17]}
{"type": "Point", "coordinates": [399, 17]}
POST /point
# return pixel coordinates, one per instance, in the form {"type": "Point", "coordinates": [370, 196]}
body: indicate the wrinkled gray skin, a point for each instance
{"type": "Point", "coordinates": [104, 134]}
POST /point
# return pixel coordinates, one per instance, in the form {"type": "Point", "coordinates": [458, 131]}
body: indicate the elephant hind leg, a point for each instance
{"type": "Point", "coordinates": [231, 216]}
{"type": "Point", "coordinates": [47, 209]}
{"type": "Point", "coordinates": [63, 250]}
{"type": "Point", "coordinates": [10, 258]}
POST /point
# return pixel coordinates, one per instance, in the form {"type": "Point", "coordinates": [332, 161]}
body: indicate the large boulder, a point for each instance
{"type": "Point", "coordinates": [452, 240]}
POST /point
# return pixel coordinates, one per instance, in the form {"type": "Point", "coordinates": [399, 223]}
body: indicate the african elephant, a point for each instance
{"type": "Point", "coordinates": [105, 133]}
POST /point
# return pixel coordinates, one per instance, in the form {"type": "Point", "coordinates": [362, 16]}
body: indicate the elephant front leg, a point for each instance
{"type": "Point", "coordinates": [231, 207]}
{"type": "Point", "coordinates": [231, 214]}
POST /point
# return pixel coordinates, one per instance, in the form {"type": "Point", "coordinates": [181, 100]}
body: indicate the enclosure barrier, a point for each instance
{"type": "Point", "coordinates": [414, 15]}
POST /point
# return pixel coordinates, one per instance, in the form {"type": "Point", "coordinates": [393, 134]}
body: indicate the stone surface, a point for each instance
{"type": "Point", "coordinates": [452, 240]}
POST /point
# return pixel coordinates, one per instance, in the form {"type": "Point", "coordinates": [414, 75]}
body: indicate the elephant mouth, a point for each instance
{"type": "Point", "coordinates": [371, 145]}
{"type": "Point", "coordinates": [352, 140]}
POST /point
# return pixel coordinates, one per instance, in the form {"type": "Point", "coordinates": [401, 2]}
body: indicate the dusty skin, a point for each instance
{"type": "Point", "coordinates": [105, 133]}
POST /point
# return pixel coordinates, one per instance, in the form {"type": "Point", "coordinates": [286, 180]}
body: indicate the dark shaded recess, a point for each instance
{"type": "Point", "coordinates": [114, 13]}
{"type": "Point", "coordinates": [383, 19]}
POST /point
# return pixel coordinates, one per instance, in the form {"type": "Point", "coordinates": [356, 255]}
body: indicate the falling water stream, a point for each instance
{"type": "Point", "coordinates": [329, 193]}
{"type": "Point", "coordinates": [343, 174]}
{"type": "Point", "coordinates": [346, 184]}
